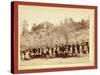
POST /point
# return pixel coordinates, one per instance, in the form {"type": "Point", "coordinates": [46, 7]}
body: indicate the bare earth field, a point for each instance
{"type": "Point", "coordinates": [54, 61]}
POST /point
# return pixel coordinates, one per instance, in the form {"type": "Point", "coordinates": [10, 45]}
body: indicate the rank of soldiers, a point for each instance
{"type": "Point", "coordinates": [57, 51]}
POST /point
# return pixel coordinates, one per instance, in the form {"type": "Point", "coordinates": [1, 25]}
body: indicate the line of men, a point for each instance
{"type": "Point", "coordinates": [62, 50]}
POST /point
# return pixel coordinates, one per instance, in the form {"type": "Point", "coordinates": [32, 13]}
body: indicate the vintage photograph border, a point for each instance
{"type": "Point", "coordinates": [14, 36]}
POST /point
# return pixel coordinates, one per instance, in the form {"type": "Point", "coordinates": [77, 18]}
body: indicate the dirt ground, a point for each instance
{"type": "Point", "coordinates": [54, 61]}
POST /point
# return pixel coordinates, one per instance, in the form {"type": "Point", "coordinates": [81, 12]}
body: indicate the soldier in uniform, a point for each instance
{"type": "Point", "coordinates": [49, 52]}
{"type": "Point", "coordinates": [57, 51]}
{"type": "Point", "coordinates": [27, 54]}
{"type": "Point", "coordinates": [65, 50]}
{"type": "Point", "coordinates": [83, 44]}
{"type": "Point", "coordinates": [38, 52]}
{"type": "Point", "coordinates": [31, 53]}
{"type": "Point", "coordinates": [43, 52]}
{"type": "Point", "coordinates": [87, 44]}
{"type": "Point", "coordinates": [53, 53]}
{"type": "Point", "coordinates": [86, 47]}
{"type": "Point", "coordinates": [60, 50]}
{"type": "Point", "coordinates": [22, 54]}
{"type": "Point", "coordinates": [78, 50]}
{"type": "Point", "coordinates": [69, 46]}
{"type": "Point", "coordinates": [46, 52]}
{"type": "Point", "coordinates": [81, 50]}
{"type": "Point", "coordinates": [71, 50]}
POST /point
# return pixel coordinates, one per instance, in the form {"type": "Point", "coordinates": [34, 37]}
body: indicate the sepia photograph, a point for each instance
{"type": "Point", "coordinates": [55, 37]}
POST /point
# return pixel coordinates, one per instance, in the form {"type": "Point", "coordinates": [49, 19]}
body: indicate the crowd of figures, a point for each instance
{"type": "Point", "coordinates": [61, 50]}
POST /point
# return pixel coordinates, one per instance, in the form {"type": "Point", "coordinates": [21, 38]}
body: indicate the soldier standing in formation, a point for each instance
{"type": "Point", "coordinates": [62, 50]}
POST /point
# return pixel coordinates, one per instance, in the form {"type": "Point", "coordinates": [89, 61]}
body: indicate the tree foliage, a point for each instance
{"type": "Point", "coordinates": [47, 33]}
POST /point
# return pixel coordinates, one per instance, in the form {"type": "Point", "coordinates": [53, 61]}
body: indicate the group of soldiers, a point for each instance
{"type": "Point", "coordinates": [61, 50]}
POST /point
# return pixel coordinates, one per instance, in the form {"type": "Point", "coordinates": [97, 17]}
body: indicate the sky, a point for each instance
{"type": "Point", "coordinates": [39, 14]}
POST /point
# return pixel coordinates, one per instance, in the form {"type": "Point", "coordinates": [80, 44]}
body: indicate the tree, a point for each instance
{"type": "Point", "coordinates": [24, 28]}
{"type": "Point", "coordinates": [24, 40]}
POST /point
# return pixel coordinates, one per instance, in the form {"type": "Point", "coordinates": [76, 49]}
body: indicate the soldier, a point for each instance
{"type": "Point", "coordinates": [48, 53]}
{"type": "Point", "coordinates": [81, 50]}
{"type": "Point", "coordinates": [22, 53]}
{"type": "Point", "coordinates": [34, 51]}
{"type": "Point", "coordinates": [66, 50]}
{"type": "Point", "coordinates": [83, 44]}
{"type": "Point", "coordinates": [40, 52]}
{"type": "Point", "coordinates": [57, 51]}
{"type": "Point", "coordinates": [43, 52]}
{"type": "Point", "coordinates": [86, 49]}
{"type": "Point", "coordinates": [31, 54]}
{"type": "Point", "coordinates": [52, 49]}
{"type": "Point", "coordinates": [53, 53]}
{"type": "Point", "coordinates": [87, 44]}
{"type": "Point", "coordinates": [27, 56]}
{"type": "Point", "coordinates": [63, 50]}
{"type": "Point", "coordinates": [76, 51]}
{"type": "Point", "coordinates": [71, 50]}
